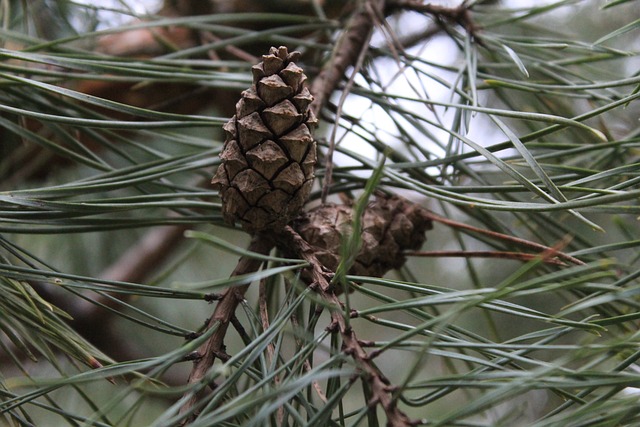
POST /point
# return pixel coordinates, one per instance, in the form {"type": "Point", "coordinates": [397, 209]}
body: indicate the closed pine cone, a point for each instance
{"type": "Point", "coordinates": [269, 155]}
{"type": "Point", "coordinates": [390, 226]}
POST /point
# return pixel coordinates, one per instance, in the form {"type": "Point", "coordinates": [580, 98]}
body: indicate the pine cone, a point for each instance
{"type": "Point", "coordinates": [390, 225]}
{"type": "Point", "coordinates": [269, 154]}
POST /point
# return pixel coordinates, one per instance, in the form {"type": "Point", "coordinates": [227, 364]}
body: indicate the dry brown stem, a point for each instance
{"type": "Point", "coordinates": [519, 256]}
{"type": "Point", "coordinates": [222, 316]}
{"type": "Point", "coordinates": [346, 53]}
{"type": "Point", "coordinates": [271, 348]}
{"type": "Point", "coordinates": [505, 237]}
{"type": "Point", "coordinates": [306, 364]}
{"type": "Point", "coordinates": [290, 242]}
{"type": "Point", "coordinates": [457, 15]}
{"type": "Point", "coordinates": [345, 92]}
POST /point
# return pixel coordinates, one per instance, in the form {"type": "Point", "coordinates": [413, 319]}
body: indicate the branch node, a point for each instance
{"type": "Point", "coordinates": [333, 327]}
{"type": "Point", "coordinates": [212, 297]}
{"type": "Point", "coordinates": [221, 355]}
{"type": "Point", "coordinates": [194, 356]}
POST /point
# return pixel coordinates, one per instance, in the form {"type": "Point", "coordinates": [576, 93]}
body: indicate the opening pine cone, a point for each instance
{"type": "Point", "coordinates": [269, 155]}
{"type": "Point", "coordinates": [390, 226]}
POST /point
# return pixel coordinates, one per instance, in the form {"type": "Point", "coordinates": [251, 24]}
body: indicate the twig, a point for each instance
{"type": "Point", "coordinates": [271, 348]}
{"type": "Point", "coordinates": [244, 336]}
{"type": "Point", "coordinates": [381, 389]}
{"type": "Point", "coordinates": [343, 97]}
{"type": "Point", "coordinates": [306, 364]}
{"type": "Point", "coordinates": [208, 37]}
{"type": "Point", "coordinates": [264, 315]}
{"type": "Point", "coordinates": [505, 237]}
{"type": "Point", "coordinates": [458, 15]}
{"type": "Point", "coordinates": [222, 315]}
{"type": "Point", "coordinates": [346, 53]}
{"type": "Point", "coordinates": [484, 254]}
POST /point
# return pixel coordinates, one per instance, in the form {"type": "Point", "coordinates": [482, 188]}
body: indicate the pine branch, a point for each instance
{"type": "Point", "coordinates": [382, 390]}
{"type": "Point", "coordinates": [504, 237]}
{"type": "Point", "coordinates": [223, 314]}
{"type": "Point", "coordinates": [345, 53]}
{"type": "Point", "coordinates": [508, 255]}
{"type": "Point", "coordinates": [457, 15]}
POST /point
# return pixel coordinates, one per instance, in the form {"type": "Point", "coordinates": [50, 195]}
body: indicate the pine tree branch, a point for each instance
{"type": "Point", "coordinates": [508, 255]}
{"type": "Point", "coordinates": [271, 348]}
{"type": "Point", "coordinates": [382, 390]}
{"type": "Point", "coordinates": [350, 50]}
{"type": "Point", "coordinates": [345, 53]}
{"type": "Point", "coordinates": [223, 314]}
{"type": "Point", "coordinates": [457, 15]}
{"type": "Point", "coordinates": [504, 237]}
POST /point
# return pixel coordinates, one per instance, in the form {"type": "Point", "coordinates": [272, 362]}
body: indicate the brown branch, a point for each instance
{"type": "Point", "coordinates": [485, 254]}
{"type": "Point", "coordinates": [381, 389]}
{"type": "Point", "coordinates": [306, 364]}
{"type": "Point", "coordinates": [351, 48]}
{"type": "Point", "coordinates": [345, 54]}
{"type": "Point", "coordinates": [505, 237]}
{"type": "Point", "coordinates": [356, 34]}
{"type": "Point", "coordinates": [222, 315]}
{"type": "Point", "coordinates": [457, 15]}
{"type": "Point", "coordinates": [345, 92]}
{"type": "Point", "coordinates": [271, 348]}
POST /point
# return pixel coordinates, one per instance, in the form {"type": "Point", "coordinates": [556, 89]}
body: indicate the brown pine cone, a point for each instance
{"type": "Point", "coordinates": [269, 154]}
{"type": "Point", "coordinates": [390, 225]}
